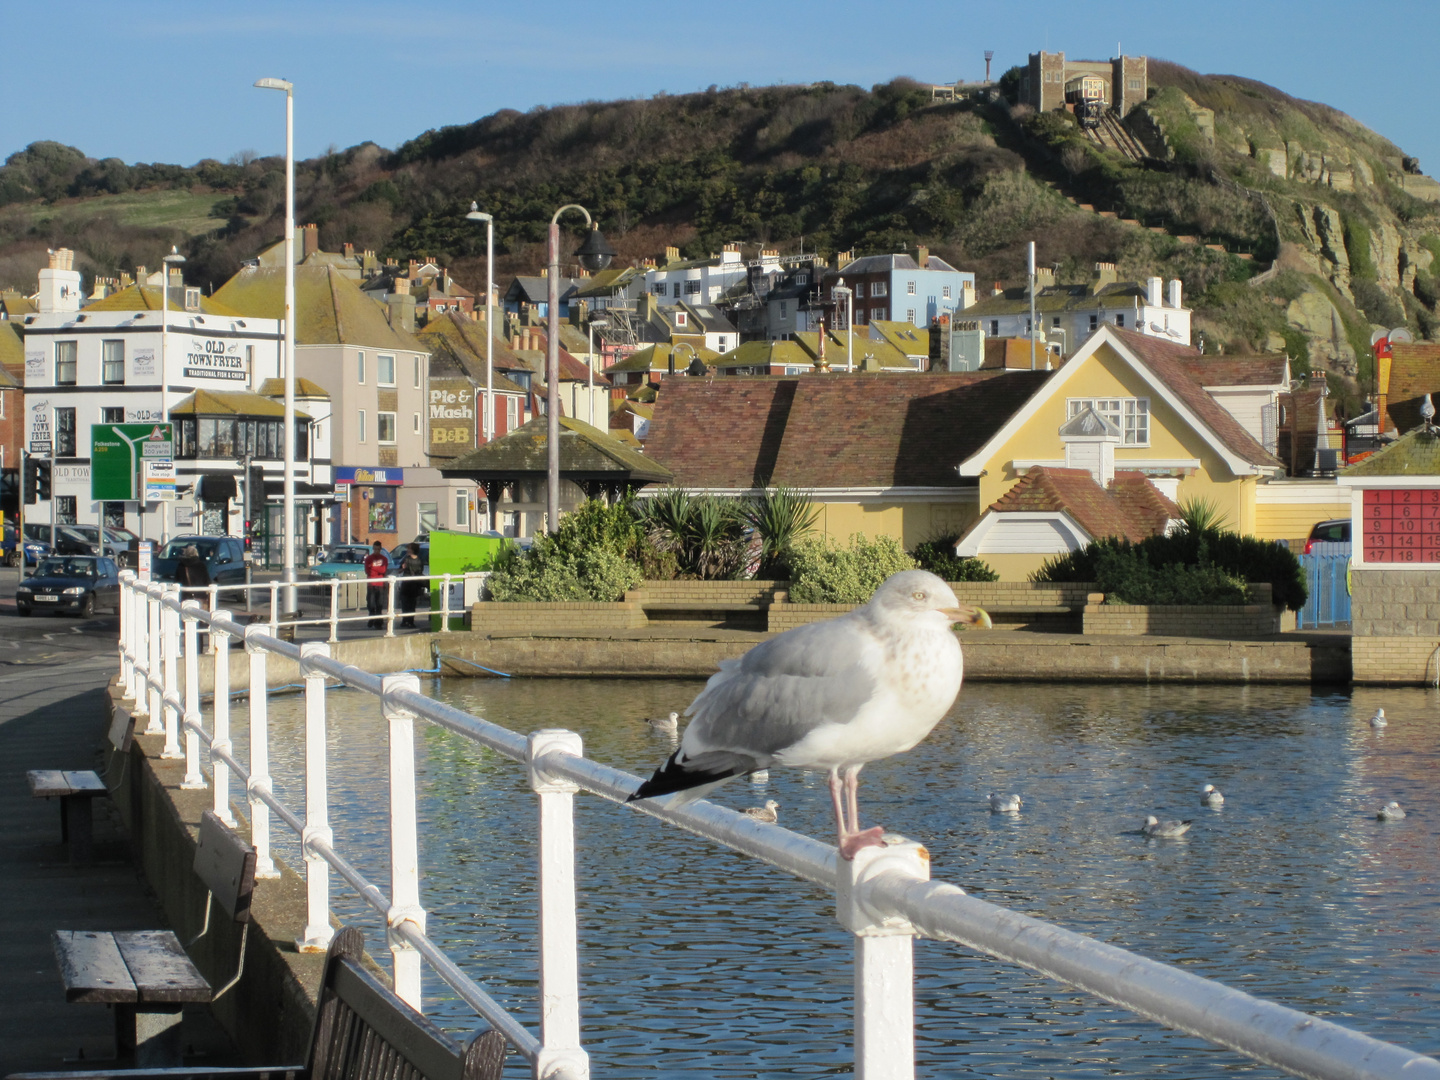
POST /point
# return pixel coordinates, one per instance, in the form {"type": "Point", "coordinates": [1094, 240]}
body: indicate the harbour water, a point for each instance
{"type": "Point", "coordinates": [700, 963]}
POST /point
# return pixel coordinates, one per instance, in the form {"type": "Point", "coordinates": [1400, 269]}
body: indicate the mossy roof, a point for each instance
{"type": "Point", "coordinates": [657, 358]}
{"type": "Point", "coordinates": [1416, 453]}
{"type": "Point", "coordinates": [330, 309]}
{"type": "Point", "coordinates": [151, 298]}
{"type": "Point", "coordinates": [765, 354]}
{"type": "Point", "coordinates": [304, 388]}
{"type": "Point", "coordinates": [908, 338]}
{"type": "Point", "coordinates": [607, 282]}
{"type": "Point", "coordinates": [466, 337]}
{"type": "Point", "coordinates": [837, 352]}
{"type": "Point", "coordinates": [585, 453]}
{"type": "Point", "coordinates": [12, 349]}
{"type": "Point", "coordinates": [15, 305]}
{"type": "Point", "coordinates": [231, 403]}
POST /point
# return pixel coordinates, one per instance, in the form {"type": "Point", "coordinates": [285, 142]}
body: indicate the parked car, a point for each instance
{"type": "Point", "coordinates": [1327, 534]}
{"type": "Point", "coordinates": [83, 584]}
{"type": "Point", "coordinates": [340, 561]}
{"type": "Point", "coordinates": [397, 554]}
{"type": "Point", "coordinates": [36, 543]}
{"type": "Point", "coordinates": [116, 544]}
{"type": "Point", "coordinates": [224, 559]}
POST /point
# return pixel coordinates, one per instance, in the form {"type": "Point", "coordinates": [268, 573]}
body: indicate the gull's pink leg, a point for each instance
{"type": "Point", "coordinates": [853, 839]}
{"type": "Point", "coordinates": [835, 800]}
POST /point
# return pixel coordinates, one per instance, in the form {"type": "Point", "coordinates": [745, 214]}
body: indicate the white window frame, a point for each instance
{"type": "Point", "coordinates": [859, 290]}
{"type": "Point", "coordinates": [360, 432]}
{"type": "Point", "coordinates": [380, 416]}
{"type": "Point", "coordinates": [360, 367]}
{"type": "Point", "coordinates": [910, 289]}
{"type": "Point", "coordinates": [73, 348]}
{"type": "Point", "coordinates": [512, 412]}
{"type": "Point", "coordinates": [945, 291]}
{"type": "Point", "coordinates": [1130, 415]}
{"type": "Point", "coordinates": [380, 379]}
{"type": "Point", "coordinates": [910, 315]}
{"type": "Point", "coordinates": [462, 509]}
{"type": "Point", "coordinates": [107, 346]}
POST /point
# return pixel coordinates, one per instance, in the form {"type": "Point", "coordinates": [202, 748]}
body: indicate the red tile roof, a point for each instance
{"type": "Point", "coordinates": [1169, 363]}
{"type": "Point", "coordinates": [1266, 370]}
{"type": "Point", "coordinates": [1131, 507]}
{"type": "Point", "coordinates": [831, 431]}
{"type": "Point", "coordinates": [1414, 372]}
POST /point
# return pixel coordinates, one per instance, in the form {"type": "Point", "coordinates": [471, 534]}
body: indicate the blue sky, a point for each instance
{"type": "Point", "coordinates": [164, 81]}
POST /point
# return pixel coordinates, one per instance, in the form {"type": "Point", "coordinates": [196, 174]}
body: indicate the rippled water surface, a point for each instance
{"type": "Point", "coordinates": [699, 963]}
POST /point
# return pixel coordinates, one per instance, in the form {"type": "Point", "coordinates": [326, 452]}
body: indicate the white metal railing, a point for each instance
{"type": "Point", "coordinates": [885, 897]}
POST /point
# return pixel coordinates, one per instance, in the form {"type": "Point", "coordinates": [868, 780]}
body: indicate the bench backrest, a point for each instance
{"type": "Point", "coordinates": [226, 864]}
{"type": "Point", "coordinates": [122, 729]}
{"type": "Point", "coordinates": [364, 1032]}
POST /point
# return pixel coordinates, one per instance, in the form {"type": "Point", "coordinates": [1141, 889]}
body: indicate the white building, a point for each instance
{"type": "Point", "coordinates": [696, 281]}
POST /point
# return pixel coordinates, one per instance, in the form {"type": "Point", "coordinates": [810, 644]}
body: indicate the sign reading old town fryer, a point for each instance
{"type": "Point", "coordinates": [216, 359]}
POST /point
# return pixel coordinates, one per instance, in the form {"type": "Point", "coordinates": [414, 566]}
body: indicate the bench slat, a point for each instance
{"type": "Point", "coordinates": [159, 967]}
{"type": "Point", "coordinates": [122, 729]}
{"type": "Point", "coordinates": [92, 968]}
{"type": "Point", "coordinates": [226, 864]}
{"type": "Point", "coordinates": [45, 783]}
{"type": "Point", "coordinates": [86, 783]}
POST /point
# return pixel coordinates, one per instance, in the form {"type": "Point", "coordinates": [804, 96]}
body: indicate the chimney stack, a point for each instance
{"type": "Point", "coordinates": [1044, 277]}
{"type": "Point", "coordinates": [1175, 296]}
{"type": "Point", "coordinates": [1104, 275]}
{"type": "Point", "coordinates": [1153, 286]}
{"type": "Point", "coordinates": [672, 254]}
{"type": "Point", "coordinates": [311, 240]}
{"type": "Point", "coordinates": [59, 284]}
{"type": "Point", "coordinates": [922, 256]}
{"type": "Point", "coordinates": [349, 250]}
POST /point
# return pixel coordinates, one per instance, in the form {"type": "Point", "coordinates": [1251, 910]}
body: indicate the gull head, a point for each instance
{"type": "Point", "coordinates": [916, 594]}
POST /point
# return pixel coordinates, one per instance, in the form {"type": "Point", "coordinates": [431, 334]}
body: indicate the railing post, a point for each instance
{"type": "Point", "coordinates": [220, 732]}
{"type": "Point", "coordinates": [335, 609]}
{"type": "Point", "coordinates": [317, 808]}
{"type": "Point", "coordinates": [170, 688]}
{"type": "Point", "coordinates": [155, 711]}
{"type": "Point", "coordinates": [215, 606]}
{"type": "Point", "coordinates": [404, 844]}
{"type": "Point", "coordinates": [124, 643]}
{"type": "Point", "coordinates": [884, 962]}
{"type": "Point", "coordinates": [390, 607]}
{"type": "Point", "coordinates": [259, 756]}
{"type": "Point", "coordinates": [189, 618]}
{"type": "Point", "coordinates": [274, 609]}
{"type": "Point", "coordinates": [559, 962]}
{"type": "Point", "coordinates": [445, 603]}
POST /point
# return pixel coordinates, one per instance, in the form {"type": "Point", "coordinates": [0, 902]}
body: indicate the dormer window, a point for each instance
{"type": "Point", "coordinates": [680, 318]}
{"type": "Point", "coordinates": [802, 279]}
{"type": "Point", "coordinates": [192, 299]}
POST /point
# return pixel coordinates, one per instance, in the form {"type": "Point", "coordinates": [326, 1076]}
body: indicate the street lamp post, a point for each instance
{"type": "Point", "coordinates": [602, 324]}
{"type": "Point", "coordinates": [595, 254]}
{"type": "Point", "coordinates": [488, 421]}
{"type": "Point", "coordinates": [173, 259]}
{"type": "Point", "coordinates": [287, 574]}
{"type": "Point", "coordinates": [843, 291]}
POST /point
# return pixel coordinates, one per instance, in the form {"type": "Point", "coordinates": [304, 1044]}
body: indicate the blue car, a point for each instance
{"type": "Point", "coordinates": [78, 584]}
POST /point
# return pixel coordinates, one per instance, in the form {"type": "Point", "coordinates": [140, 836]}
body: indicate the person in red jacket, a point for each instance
{"type": "Point", "coordinates": [377, 565]}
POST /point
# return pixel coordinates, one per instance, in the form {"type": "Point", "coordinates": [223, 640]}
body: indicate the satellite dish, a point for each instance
{"type": "Point", "coordinates": [1378, 336]}
{"type": "Point", "coordinates": [1401, 336]}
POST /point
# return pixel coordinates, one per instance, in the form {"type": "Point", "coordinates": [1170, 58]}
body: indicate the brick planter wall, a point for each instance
{"type": "Point", "coordinates": [701, 592]}
{"type": "Point", "coordinates": [521, 618]}
{"type": "Point", "coordinates": [789, 616]}
{"type": "Point", "coordinates": [1395, 619]}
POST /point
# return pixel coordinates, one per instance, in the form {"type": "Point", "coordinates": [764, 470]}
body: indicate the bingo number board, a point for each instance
{"type": "Point", "coordinates": [1402, 526]}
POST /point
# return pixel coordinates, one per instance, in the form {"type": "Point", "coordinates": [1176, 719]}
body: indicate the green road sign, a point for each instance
{"type": "Point", "coordinates": [116, 451]}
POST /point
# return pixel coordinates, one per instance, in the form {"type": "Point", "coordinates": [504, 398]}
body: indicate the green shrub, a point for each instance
{"type": "Point", "coordinates": [822, 573]}
{"type": "Point", "coordinates": [592, 556]}
{"type": "Point", "coordinates": [780, 518]}
{"type": "Point", "coordinates": [1127, 577]}
{"type": "Point", "coordinates": [705, 534]}
{"type": "Point", "coordinates": [938, 556]}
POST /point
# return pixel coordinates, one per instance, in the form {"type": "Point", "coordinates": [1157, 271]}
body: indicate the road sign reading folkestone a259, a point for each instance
{"type": "Point", "coordinates": [116, 453]}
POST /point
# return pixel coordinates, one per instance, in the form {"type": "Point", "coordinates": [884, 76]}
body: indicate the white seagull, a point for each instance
{"type": "Point", "coordinates": [1165, 830]}
{"type": "Point", "coordinates": [1004, 804]}
{"type": "Point", "coordinates": [665, 725]}
{"type": "Point", "coordinates": [833, 695]}
{"type": "Point", "coordinates": [1378, 720]}
{"type": "Point", "coordinates": [1391, 811]}
{"type": "Point", "coordinates": [1210, 796]}
{"type": "Point", "coordinates": [764, 813]}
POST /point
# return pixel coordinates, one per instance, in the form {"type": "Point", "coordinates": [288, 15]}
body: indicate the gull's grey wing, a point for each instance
{"type": "Point", "coordinates": [781, 690]}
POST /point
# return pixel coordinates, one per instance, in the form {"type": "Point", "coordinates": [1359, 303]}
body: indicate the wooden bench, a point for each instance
{"type": "Point", "coordinates": [362, 1031]}
{"type": "Point", "coordinates": [76, 789]}
{"type": "Point", "coordinates": [146, 974]}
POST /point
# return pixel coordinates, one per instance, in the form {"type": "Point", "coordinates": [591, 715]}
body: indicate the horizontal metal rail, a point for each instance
{"type": "Point", "coordinates": [884, 896]}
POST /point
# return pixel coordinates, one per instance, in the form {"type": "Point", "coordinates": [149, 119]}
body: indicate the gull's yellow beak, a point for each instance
{"type": "Point", "coordinates": [973, 615]}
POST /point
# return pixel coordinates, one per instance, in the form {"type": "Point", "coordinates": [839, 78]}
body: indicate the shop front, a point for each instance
{"type": "Point", "coordinates": [372, 511]}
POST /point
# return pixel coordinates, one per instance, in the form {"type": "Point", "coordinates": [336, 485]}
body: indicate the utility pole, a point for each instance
{"type": "Point", "coordinates": [1030, 268]}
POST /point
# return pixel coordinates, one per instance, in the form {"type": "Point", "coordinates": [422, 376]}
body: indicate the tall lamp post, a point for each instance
{"type": "Point", "coordinates": [839, 292]}
{"type": "Point", "coordinates": [287, 573]}
{"type": "Point", "coordinates": [595, 324]}
{"type": "Point", "coordinates": [595, 254]}
{"type": "Point", "coordinates": [173, 259]}
{"type": "Point", "coordinates": [488, 421]}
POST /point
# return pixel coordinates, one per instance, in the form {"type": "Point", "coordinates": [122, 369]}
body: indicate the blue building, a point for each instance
{"type": "Point", "coordinates": [899, 288]}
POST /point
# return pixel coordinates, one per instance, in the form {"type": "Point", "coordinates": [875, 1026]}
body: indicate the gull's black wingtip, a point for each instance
{"type": "Point", "coordinates": [675, 776]}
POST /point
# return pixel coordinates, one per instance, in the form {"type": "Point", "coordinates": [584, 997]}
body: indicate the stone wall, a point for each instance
{"type": "Point", "coordinates": [701, 592]}
{"type": "Point", "coordinates": [1233, 621]}
{"type": "Point", "coordinates": [788, 616]}
{"type": "Point", "coordinates": [506, 618]}
{"type": "Point", "coordinates": [1395, 620]}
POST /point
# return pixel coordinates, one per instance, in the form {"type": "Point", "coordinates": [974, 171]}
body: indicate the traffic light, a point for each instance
{"type": "Point", "coordinates": [30, 480]}
{"type": "Point", "coordinates": [42, 479]}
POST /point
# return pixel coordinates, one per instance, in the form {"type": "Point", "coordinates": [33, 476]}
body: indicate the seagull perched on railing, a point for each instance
{"type": "Point", "coordinates": [764, 813]}
{"type": "Point", "coordinates": [1165, 830]}
{"type": "Point", "coordinates": [1004, 804]}
{"type": "Point", "coordinates": [1210, 796]}
{"type": "Point", "coordinates": [833, 695]}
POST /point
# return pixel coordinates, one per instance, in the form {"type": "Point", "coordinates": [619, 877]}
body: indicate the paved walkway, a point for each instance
{"type": "Point", "coordinates": [53, 674]}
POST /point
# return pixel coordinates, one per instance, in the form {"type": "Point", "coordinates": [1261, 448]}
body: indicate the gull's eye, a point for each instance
{"type": "Point", "coordinates": [918, 595]}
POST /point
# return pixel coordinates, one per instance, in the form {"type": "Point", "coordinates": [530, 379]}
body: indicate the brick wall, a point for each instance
{"type": "Point", "coordinates": [508, 618]}
{"type": "Point", "coordinates": [1393, 659]}
{"type": "Point", "coordinates": [788, 616]}
{"type": "Point", "coordinates": [1174, 620]}
{"type": "Point", "coordinates": [701, 592]}
{"type": "Point", "coordinates": [1395, 620]}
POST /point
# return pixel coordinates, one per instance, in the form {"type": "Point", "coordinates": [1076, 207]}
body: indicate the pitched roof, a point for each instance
{"type": "Point", "coordinates": [571, 370]}
{"type": "Point", "coordinates": [1414, 372]}
{"type": "Point", "coordinates": [12, 350]}
{"type": "Point", "coordinates": [304, 388]}
{"type": "Point", "coordinates": [585, 453]}
{"type": "Point", "coordinates": [819, 431]}
{"type": "Point", "coordinates": [231, 403]}
{"type": "Point", "coordinates": [15, 305]}
{"type": "Point", "coordinates": [1131, 507]}
{"type": "Point", "coordinates": [876, 264]}
{"type": "Point", "coordinates": [763, 354]}
{"type": "Point", "coordinates": [467, 334]}
{"type": "Point", "coordinates": [608, 282]}
{"type": "Point", "coordinates": [837, 349]}
{"type": "Point", "coordinates": [1416, 453]}
{"type": "Point", "coordinates": [657, 358]}
{"type": "Point", "coordinates": [1216, 371]}
{"type": "Point", "coordinates": [1055, 299]}
{"type": "Point", "coordinates": [151, 298]}
{"type": "Point", "coordinates": [1170, 364]}
{"type": "Point", "coordinates": [1013, 354]}
{"type": "Point", "coordinates": [536, 290]}
{"type": "Point", "coordinates": [330, 309]}
{"type": "Point", "coordinates": [908, 338]}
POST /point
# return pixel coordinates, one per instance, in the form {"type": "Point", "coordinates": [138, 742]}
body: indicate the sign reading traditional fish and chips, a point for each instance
{"type": "Point", "coordinates": [1401, 525]}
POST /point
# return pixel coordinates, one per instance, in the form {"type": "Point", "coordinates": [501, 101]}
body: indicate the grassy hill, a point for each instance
{"type": "Point", "coordinates": [1235, 164]}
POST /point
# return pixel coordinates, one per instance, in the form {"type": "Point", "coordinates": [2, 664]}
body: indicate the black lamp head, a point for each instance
{"type": "Point", "coordinates": [697, 367]}
{"type": "Point", "coordinates": [595, 254]}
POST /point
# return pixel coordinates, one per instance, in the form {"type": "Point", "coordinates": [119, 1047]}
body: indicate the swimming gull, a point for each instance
{"type": "Point", "coordinates": [1391, 811]}
{"type": "Point", "coordinates": [764, 813]}
{"type": "Point", "coordinates": [1210, 796]}
{"type": "Point", "coordinates": [760, 776]}
{"type": "Point", "coordinates": [1004, 804]}
{"type": "Point", "coordinates": [1165, 830]}
{"type": "Point", "coordinates": [832, 695]}
{"type": "Point", "coordinates": [665, 725]}
{"type": "Point", "coordinates": [1378, 720]}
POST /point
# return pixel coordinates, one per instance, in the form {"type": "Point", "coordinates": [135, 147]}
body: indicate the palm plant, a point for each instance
{"type": "Point", "coordinates": [780, 516]}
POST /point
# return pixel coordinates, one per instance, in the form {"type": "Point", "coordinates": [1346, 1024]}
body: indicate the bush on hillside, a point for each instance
{"type": "Point", "coordinates": [823, 573]}
{"type": "Point", "coordinates": [938, 556]}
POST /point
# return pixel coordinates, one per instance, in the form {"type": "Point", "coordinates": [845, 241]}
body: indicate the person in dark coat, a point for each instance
{"type": "Point", "coordinates": [411, 566]}
{"type": "Point", "coordinates": [191, 571]}
{"type": "Point", "coordinates": [376, 567]}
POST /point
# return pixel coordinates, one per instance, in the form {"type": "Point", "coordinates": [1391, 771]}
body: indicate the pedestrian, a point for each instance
{"type": "Point", "coordinates": [376, 567]}
{"type": "Point", "coordinates": [191, 571]}
{"type": "Point", "coordinates": [410, 566]}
